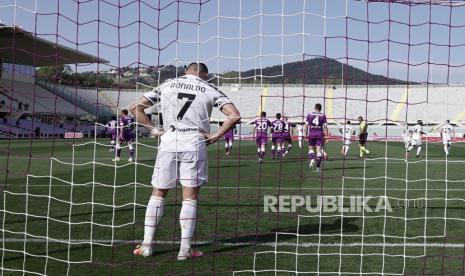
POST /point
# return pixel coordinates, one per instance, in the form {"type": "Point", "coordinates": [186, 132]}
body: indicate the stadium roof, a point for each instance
{"type": "Point", "coordinates": [35, 51]}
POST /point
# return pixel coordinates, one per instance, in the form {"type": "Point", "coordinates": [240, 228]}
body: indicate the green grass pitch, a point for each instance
{"type": "Point", "coordinates": [81, 220]}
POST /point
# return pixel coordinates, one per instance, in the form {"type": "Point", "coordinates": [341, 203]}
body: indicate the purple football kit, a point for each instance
{"type": "Point", "coordinates": [261, 128]}
{"type": "Point", "coordinates": [126, 135]}
{"type": "Point", "coordinates": [126, 124]}
{"type": "Point", "coordinates": [287, 132]}
{"type": "Point", "coordinates": [316, 121]}
{"type": "Point", "coordinates": [229, 135]}
{"type": "Point", "coordinates": [277, 127]}
{"type": "Point", "coordinates": [112, 130]}
{"type": "Point", "coordinates": [229, 139]}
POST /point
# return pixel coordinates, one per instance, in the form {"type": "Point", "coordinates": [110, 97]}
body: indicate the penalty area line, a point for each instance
{"type": "Point", "coordinates": [206, 187]}
{"type": "Point", "coordinates": [269, 244]}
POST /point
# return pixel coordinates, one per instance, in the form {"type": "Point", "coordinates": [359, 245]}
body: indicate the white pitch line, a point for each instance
{"type": "Point", "coordinates": [378, 160]}
{"type": "Point", "coordinates": [269, 244]}
{"type": "Point", "coordinates": [248, 187]}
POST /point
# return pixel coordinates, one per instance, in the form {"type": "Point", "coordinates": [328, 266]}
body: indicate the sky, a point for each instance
{"type": "Point", "coordinates": [396, 40]}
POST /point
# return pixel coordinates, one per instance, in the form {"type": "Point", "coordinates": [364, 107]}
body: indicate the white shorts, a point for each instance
{"type": "Point", "coordinates": [347, 142]}
{"type": "Point", "coordinates": [446, 141]}
{"type": "Point", "coordinates": [190, 168]}
{"type": "Point", "coordinates": [416, 142]}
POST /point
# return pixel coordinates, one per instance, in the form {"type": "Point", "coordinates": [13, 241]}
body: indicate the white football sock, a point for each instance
{"type": "Point", "coordinates": [418, 150]}
{"type": "Point", "coordinates": [152, 218]}
{"type": "Point", "coordinates": [187, 219]}
{"type": "Point", "coordinates": [346, 149]}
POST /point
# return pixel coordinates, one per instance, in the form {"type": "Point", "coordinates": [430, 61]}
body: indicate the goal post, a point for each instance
{"type": "Point", "coordinates": [390, 206]}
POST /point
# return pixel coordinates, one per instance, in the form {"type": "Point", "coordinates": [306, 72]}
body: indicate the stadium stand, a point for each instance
{"type": "Point", "coordinates": [23, 103]}
{"type": "Point", "coordinates": [86, 102]}
{"type": "Point", "coordinates": [41, 101]}
{"type": "Point", "coordinates": [121, 98]}
{"type": "Point", "coordinates": [340, 103]}
{"type": "Point", "coordinates": [349, 102]}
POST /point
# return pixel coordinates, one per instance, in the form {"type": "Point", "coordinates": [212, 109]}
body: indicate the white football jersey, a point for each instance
{"type": "Point", "coordinates": [186, 104]}
{"type": "Point", "coordinates": [348, 131]}
{"type": "Point", "coordinates": [407, 135]}
{"type": "Point", "coordinates": [416, 132]}
{"type": "Point", "coordinates": [447, 131]}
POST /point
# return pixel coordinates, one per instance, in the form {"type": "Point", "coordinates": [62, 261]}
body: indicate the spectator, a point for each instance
{"type": "Point", "coordinates": [26, 107]}
{"type": "Point", "coordinates": [13, 104]}
{"type": "Point", "coordinates": [20, 106]}
{"type": "Point", "coordinates": [2, 104]}
{"type": "Point", "coordinates": [37, 132]}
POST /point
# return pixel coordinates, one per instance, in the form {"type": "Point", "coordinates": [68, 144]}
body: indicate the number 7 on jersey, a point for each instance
{"type": "Point", "coordinates": [190, 98]}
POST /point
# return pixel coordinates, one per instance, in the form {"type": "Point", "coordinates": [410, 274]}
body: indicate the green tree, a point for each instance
{"type": "Point", "coordinates": [53, 72]}
{"type": "Point", "coordinates": [49, 71]}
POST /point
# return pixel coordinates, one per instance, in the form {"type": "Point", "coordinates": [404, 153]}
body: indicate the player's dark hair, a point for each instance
{"type": "Point", "coordinates": [198, 67]}
{"type": "Point", "coordinates": [278, 116]}
{"type": "Point", "coordinates": [263, 114]}
{"type": "Point", "coordinates": [125, 111]}
{"type": "Point", "coordinates": [348, 122]}
{"type": "Point", "coordinates": [360, 117]}
{"type": "Point", "coordinates": [447, 121]}
{"type": "Point", "coordinates": [318, 106]}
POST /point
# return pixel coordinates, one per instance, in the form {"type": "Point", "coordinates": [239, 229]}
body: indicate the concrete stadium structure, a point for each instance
{"type": "Point", "coordinates": [379, 104]}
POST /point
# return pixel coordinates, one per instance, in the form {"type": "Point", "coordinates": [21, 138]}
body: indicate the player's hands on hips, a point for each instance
{"type": "Point", "coordinates": [156, 132]}
{"type": "Point", "coordinates": [210, 138]}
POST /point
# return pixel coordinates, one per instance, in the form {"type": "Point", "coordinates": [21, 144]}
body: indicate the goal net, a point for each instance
{"type": "Point", "coordinates": [72, 203]}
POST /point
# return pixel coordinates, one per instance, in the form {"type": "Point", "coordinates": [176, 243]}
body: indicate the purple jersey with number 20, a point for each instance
{"type": "Point", "coordinates": [261, 128]}
{"type": "Point", "coordinates": [316, 121]}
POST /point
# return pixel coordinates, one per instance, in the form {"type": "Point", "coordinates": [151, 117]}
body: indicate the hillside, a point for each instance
{"type": "Point", "coordinates": [313, 71]}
